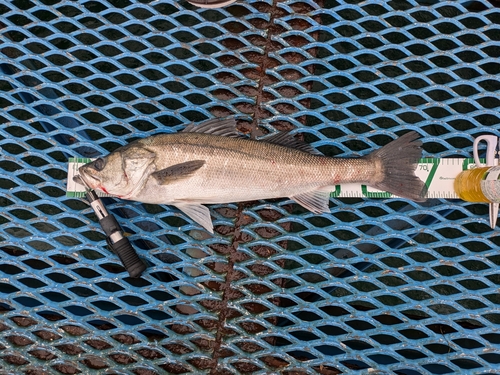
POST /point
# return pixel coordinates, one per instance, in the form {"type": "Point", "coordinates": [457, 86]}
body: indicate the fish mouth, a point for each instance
{"type": "Point", "coordinates": [90, 182]}
{"type": "Point", "coordinates": [78, 179]}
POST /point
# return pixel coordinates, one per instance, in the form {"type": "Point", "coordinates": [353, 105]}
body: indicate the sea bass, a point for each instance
{"type": "Point", "coordinates": [213, 163]}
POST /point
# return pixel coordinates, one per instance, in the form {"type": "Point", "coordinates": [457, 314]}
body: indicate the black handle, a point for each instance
{"type": "Point", "coordinates": [121, 246]}
{"type": "Point", "coordinates": [130, 260]}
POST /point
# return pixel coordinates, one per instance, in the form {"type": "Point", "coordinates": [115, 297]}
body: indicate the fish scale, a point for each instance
{"type": "Point", "coordinates": [287, 171]}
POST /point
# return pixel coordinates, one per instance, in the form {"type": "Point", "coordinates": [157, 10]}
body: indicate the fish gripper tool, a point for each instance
{"type": "Point", "coordinates": [115, 238]}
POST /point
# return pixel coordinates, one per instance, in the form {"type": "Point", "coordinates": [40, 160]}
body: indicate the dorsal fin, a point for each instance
{"type": "Point", "coordinates": [287, 140]}
{"type": "Point", "coordinates": [216, 126]}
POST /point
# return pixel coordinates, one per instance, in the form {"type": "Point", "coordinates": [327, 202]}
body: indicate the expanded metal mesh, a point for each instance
{"type": "Point", "coordinates": [375, 286]}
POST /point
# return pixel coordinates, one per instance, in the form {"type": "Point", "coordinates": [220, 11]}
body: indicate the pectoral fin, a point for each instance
{"type": "Point", "coordinates": [178, 171]}
{"type": "Point", "coordinates": [315, 201]}
{"type": "Point", "coordinates": [198, 213]}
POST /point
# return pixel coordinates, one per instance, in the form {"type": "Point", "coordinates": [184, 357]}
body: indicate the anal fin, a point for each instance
{"type": "Point", "coordinates": [315, 201]}
{"type": "Point", "coordinates": [198, 213]}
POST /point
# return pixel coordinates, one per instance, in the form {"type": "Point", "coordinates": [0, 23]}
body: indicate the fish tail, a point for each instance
{"type": "Point", "coordinates": [396, 163]}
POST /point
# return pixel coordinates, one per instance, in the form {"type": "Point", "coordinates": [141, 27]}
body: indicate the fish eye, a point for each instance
{"type": "Point", "coordinates": [99, 164]}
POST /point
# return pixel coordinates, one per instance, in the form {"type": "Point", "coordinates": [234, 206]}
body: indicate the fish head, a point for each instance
{"type": "Point", "coordinates": [121, 173]}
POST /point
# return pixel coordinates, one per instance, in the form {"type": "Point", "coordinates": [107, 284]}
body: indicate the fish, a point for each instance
{"type": "Point", "coordinates": [213, 163]}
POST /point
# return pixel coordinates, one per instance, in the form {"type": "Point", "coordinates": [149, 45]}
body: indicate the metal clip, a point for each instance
{"type": "Point", "coordinates": [491, 151]}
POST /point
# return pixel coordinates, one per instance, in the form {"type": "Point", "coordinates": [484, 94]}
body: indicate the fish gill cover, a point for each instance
{"type": "Point", "coordinates": [376, 286]}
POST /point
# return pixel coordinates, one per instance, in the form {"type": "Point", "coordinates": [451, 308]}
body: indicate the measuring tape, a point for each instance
{"type": "Point", "coordinates": [438, 174]}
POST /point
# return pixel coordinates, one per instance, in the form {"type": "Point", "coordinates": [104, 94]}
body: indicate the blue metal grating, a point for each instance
{"type": "Point", "coordinates": [377, 286]}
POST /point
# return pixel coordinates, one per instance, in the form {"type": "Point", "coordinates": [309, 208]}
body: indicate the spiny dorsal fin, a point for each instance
{"type": "Point", "coordinates": [287, 140]}
{"type": "Point", "coordinates": [224, 128]}
{"type": "Point", "coordinates": [177, 171]}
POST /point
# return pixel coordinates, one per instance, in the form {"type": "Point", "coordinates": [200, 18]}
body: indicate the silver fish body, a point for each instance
{"type": "Point", "coordinates": [210, 163]}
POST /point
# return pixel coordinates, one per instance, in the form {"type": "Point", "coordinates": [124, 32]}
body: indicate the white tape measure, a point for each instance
{"type": "Point", "coordinates": [438, 174]}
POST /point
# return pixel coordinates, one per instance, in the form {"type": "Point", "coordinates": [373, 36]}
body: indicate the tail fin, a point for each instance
{"type": "Point", "coordinates": [398, 161]}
